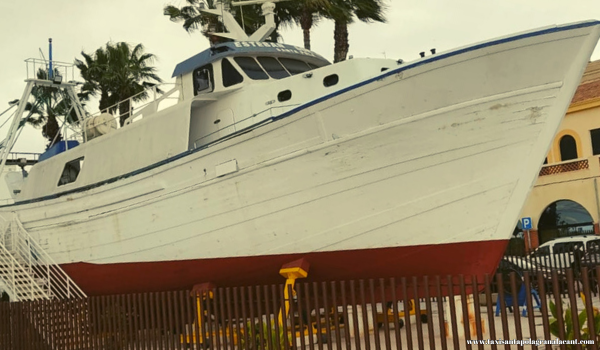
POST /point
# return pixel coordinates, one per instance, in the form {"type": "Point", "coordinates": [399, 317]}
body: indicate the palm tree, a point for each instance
{"type": "Point", "coordinates": [118, 72]}
{"type": "Point", "coordinates": [305, 13]}
{"type": "Point", "coordinates": [48, 104]}
{"type": "Point", "coordinates": [343, 12]}
{"type": "Point", "coordinates": [93, 70]}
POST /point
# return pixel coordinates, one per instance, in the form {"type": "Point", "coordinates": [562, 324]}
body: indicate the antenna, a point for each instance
{"type": "Point", "coordinates": [253, 2]}
{"type": "Point", "coordinates": [42, 54]}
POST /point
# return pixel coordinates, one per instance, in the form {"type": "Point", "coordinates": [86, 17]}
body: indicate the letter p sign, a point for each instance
{"type": "Point", "coordinates": [526, 222]}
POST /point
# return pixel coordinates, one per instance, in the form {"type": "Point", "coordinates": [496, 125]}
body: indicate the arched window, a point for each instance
{"type": "Point", "coordinates": [564, 218]}
{"type": "Point", "coordinates": [568, 148]}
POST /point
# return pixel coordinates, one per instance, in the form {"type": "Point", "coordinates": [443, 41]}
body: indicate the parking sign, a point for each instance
{"type": "Point", "coordinates": [526, 222]}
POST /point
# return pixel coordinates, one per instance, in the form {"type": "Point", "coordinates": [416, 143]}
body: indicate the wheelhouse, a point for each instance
{"type": "Point", "coordinates": [228, 65]}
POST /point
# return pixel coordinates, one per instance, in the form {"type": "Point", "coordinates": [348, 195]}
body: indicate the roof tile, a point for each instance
{"type": "Point", "coordinates": [587, 91]}
{"type": "Point", "coordinates": [589, 88]}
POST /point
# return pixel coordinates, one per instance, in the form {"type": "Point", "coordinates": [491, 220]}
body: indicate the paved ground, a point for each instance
{"type": "Point", "coordinates": [417, 335]}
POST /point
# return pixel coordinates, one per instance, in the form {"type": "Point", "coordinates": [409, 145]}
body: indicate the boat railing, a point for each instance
{"type": "Point", "coordinates": [159, 100]}
{"type": "Point", "coordinates": [243, 124]}
{"type": "Point", "coordinates": [22, 158]}
{"type": "Point", "coordinates": [24, 155]}
{"type": "Point", "coordinates": [61, 71]}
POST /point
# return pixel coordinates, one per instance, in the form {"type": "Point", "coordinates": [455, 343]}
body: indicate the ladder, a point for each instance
{"type": "Point", "coordinates": [26, 270]}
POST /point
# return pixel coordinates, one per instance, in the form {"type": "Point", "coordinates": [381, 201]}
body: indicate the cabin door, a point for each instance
{"type": "Point", "coordinates": [225, 122]}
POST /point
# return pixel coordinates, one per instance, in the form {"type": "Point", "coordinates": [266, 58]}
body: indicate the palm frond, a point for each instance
{"type": "Point", "coordinates": [191, 24]}
{"type": "Point", "coordinates": [370, 10]}
{"type": "Point", "coordinates": [173, 12]}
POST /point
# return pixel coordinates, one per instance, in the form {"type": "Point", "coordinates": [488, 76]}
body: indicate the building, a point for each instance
{"type": "Point", "coordinates": [565, 200]}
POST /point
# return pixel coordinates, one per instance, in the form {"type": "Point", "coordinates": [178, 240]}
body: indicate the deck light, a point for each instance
{"type": "Point", "coordinates": [57, 79]}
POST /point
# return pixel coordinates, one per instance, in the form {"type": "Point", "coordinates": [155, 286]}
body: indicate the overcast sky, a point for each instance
{"type": "Point", "coordinates": [413, 26]}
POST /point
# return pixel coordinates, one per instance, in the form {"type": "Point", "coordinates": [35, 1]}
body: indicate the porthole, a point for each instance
{"type": "Point", "coordinates": [284, 95]}
{"type": "Point", "coordinates": [330, 80]}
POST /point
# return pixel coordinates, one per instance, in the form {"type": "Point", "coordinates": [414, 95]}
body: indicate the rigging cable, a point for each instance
{"type": "Point", "coordinates": [6, 110]}
{"type": "Point", "coordinates": [242, 14]}
{"type": "Point", "coordinates": [7, 119]}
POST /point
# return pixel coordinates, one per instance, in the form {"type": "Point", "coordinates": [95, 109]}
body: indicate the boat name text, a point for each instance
{"type": "Point", "coordinates": [279, 47]}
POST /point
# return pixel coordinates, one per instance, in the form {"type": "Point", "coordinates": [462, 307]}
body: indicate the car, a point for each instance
{"type": "Point", "coordinates": [565, 252]}
{"type": "Point", "coordinates": [520, 265]}
{"type": "Point", "coordinates": [591, 261]}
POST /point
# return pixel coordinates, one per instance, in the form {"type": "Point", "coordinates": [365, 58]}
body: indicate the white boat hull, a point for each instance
{"type": "Point", "coordinates": [422, 171]}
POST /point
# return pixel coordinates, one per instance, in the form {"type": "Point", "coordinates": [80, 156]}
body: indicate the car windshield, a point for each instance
{"type": "Point", "coordinates": [567, 247]}
{"type": "Point", "coordinates": [541, 251]}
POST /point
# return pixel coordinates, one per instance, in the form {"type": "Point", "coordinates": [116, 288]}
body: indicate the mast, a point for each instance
{"type": "Point", "coordinates": [50, 70]}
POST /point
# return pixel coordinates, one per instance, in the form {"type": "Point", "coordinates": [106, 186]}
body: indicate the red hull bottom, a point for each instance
{"type": "Point", "coordinates": [468, 258]}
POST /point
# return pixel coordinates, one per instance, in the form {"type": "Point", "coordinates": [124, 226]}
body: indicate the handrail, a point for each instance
{"type": "Point", "coordinates": [29, 272]}
{"type": "Point", "coordinates": [26, 155]}
{"type": "Point", "coordinates": [154, 104]}
{"type": "Point", "coordinates": [67, 69]}
{"type": "Point", "coordinates": [18, 290]}
{"type": "Point", "coordinates": [197, 141]}
{"type": "Point", "coordinates": [135, 111]}
{"type": "Point", "coordinates": [72, 290]}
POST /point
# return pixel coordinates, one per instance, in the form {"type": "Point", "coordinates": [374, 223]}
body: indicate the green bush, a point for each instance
{"type": "Point", "coordinates": [277, 341]}
{"type": "Point", "coordinates": [569, 329]}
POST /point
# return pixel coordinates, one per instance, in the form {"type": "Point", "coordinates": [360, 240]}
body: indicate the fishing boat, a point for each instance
{"type": "Point", "coordinates": [267, 153]}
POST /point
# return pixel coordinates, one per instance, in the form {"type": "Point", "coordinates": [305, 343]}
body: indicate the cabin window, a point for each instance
{"type": "Point", "coordinates": [203, 79]}
{"type": "Point", "coordinates": [284, 95]}
{"type": "Point", "coordinates": [330, 80]}
{"type": "Point", "coordinates": [294, 66]}
{"type": "Point", "coordinates": [230, 75]}
{"type": "Point", "coordinates": [251, 68]}
{"type": "Point", "coordinates": [273, 67]}
{"type": "Point", "coordinates": [70, 172]}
